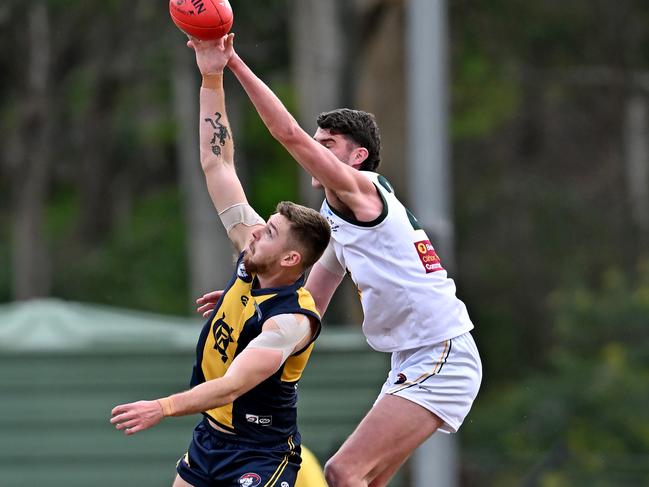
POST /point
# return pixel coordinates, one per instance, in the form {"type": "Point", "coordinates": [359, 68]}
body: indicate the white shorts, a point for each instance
{"type": "Point", "coordinates": [443, 378]}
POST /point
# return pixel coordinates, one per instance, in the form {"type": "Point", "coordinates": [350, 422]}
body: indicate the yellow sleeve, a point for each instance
{"type": "Point", "coordinates": [310, 474]}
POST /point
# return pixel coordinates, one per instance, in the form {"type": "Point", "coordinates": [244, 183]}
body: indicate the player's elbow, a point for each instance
{"type": "Point", "coordinates": [209, 164]}
{"type": "Point", "coordinates": [286, 132]}
{"type": "Point", "coordinates": [233, 391]}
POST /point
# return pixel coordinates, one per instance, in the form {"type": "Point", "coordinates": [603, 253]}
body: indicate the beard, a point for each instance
{"type": "Point", "coordinates": [254, 267]}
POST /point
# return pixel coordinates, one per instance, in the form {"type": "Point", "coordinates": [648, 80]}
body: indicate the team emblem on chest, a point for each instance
{"type": "Point", "coordinates": [222, 337]}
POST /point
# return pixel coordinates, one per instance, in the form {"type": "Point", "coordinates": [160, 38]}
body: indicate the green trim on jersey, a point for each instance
{"type": "Point", "coordinates": [354, 221]}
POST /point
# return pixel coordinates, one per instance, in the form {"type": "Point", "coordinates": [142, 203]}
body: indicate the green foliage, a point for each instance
{"type": "Point", "coordinates": [584, 421]}
{"type": "Point", "coordinates": [484, 95]}
{"type": "Point", "coordinates": [274, 173]}
{"type": "Point", "coordinates": [142, 263]}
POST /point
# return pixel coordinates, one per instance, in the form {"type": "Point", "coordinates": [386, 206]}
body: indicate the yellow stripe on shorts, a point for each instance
{"type": "Point", "coordinates": [276, 475]}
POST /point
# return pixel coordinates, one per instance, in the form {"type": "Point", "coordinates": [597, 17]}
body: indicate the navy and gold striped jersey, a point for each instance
{"type": "Point", "coordinates": [269, 410]}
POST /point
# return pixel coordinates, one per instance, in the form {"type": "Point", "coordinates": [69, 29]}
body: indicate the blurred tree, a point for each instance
{"type": "Point", "coordinates": [539, 106]}
{"type": "Point", "coordinates": [209, 250]}
{"type": "Point", "coordinates": [582, 422]}
{"type": "Point", "coordinates": [30, 158]}
{"type": "Point", "coordinates": [318, 51]}
{"type": "Point", "coordinates": [636, 131]}
{"type": "Point", "coordinates": [379, 87]}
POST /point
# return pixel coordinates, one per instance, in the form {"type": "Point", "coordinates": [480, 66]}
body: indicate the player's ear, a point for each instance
{"type": "Point", "coordinates": [291, 258]}
{"type": "Point", "coordinates": [359, 155]}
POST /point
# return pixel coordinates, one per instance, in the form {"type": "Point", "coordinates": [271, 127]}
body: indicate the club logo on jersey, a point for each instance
{"type": "Point", "coordinates": [428, 256]}
{"type": "Point", "coordinates": [242, 273]}
{"type": "Point", "coordinates": [401, 378]}
{"type": "Point", "coordinates": [261, 420]}
{"type": "Point", "coordinates": [249, 480]}
{"type": "Point", "coordinates": [222, 337]}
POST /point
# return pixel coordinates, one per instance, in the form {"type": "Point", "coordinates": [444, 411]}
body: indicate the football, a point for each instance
{"type": "Point", "coordinates": [203, 19]}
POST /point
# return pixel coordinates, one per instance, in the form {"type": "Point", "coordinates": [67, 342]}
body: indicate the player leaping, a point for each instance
{"type": "Point", "coordinates": [409, 303]}
{"type": "Point", "coordinates": [256, 343]}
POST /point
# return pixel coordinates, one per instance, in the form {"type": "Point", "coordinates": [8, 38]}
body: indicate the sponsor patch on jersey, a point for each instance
{"type": "Point", "coordinates": [428, 256]}
{"type": "Point", "coordinates": [249, 480]}
{"type": "Point", "coordinates": [262, 420]}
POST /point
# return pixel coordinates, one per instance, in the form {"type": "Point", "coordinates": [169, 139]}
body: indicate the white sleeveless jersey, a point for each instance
{"type": "Point", "coordinates": [408, 300]}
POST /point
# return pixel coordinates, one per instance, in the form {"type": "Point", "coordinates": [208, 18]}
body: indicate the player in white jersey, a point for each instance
{"type": "Point", "coordinates": [393, 264]}
{"type": "Point", "coordinates": [409, 303]}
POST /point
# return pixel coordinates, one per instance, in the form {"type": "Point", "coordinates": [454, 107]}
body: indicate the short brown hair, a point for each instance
{"type": "Point", "coordinates": [309, 230]}
{"type": "Point", "coordinates": [358, 126]}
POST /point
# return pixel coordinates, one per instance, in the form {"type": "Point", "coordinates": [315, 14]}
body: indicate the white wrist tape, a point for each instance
{"type": "Point", "coordinates": [330, 262]}
{"type": "Point", "coordinates": [291, 330]}
{"type": "Point", "coordinates": [241, 213]}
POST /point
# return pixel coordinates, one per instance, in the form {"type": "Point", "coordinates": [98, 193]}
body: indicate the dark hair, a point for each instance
{"type": "Point", "coordinates": [309, 230]}
{"type": "Point", "coordinates": [358, 126]}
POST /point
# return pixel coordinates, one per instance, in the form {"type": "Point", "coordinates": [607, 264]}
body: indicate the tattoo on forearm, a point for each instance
{"type": "Point", "coordinates": [221, 133]}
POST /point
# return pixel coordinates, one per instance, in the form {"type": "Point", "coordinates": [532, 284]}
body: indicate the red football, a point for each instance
{"type": "Point", "coordinates": [203, 19]}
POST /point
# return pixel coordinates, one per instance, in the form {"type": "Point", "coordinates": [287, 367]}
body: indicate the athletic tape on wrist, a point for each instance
{"type": "Point", "coordinates": [241, 213]}
{"type": "Point", "coordinates": [168, 407]}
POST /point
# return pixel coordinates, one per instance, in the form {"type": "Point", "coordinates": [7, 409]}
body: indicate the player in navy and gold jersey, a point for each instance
{"type": "Point", "coordinates": [267, 411]}
{"type": "Point", "coordinates": [256, 343]}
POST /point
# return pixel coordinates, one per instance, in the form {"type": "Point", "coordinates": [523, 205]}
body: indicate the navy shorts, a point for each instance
{"type": "Point", "coordinates": [217, 459]}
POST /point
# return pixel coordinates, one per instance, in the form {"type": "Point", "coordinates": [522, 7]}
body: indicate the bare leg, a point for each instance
{"type": "Point", "coordinates": [386, 474]}
{"type": "Point", "coordinates": [179, 482]}
{"type": "Point", "coordinates": [385, 438]}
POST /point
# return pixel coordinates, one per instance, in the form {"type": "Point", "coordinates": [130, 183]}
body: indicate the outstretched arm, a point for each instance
{"type": "Point", "coordinates": [348, 184]}
{"type": "Point", "coordinates": [263, 357]}
{"type": "Point", "coordinates": [216, 142]}
{"type": "Point", "coordinates": [250, 368]}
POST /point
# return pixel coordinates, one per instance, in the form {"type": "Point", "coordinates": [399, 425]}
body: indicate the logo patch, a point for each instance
{"type": "Point", "coordinates": [401, 378]}
{"type": "Point", "coordinates": [222, 337]}
{"type": "Point", "coordinates": [198, 5]}
{"type": "Point", "coordinates": [249, 480]}
{"type": "Point", "coordinates": [284, 484]}
{"type": "Point", "coordinates": [428, 256]}
{"type": "Point", "coordinates": [242, 273]}
{"type": "Point", "coordinates": [261, 420]}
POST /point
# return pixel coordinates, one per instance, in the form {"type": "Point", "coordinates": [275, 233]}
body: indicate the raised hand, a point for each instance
{"type": "Point", "coordinates": [212, 56]}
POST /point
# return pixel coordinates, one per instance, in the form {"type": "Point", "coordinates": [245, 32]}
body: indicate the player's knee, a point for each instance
{"type": "Point", "coordinates": [338, 474]}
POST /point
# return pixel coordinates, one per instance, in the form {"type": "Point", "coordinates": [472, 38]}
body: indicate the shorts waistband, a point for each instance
{"type": "Point", "coordinates": [292, 441]}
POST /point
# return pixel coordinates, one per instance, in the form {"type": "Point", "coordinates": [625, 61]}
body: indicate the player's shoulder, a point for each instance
{"type": "Point", "coordinates": [379, 179]}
